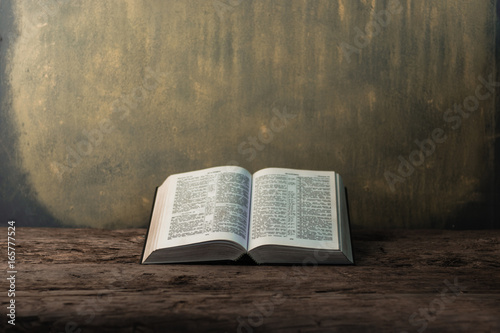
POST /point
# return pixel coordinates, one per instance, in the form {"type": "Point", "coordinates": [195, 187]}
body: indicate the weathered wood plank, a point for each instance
{"type": "Point", "coordinates": [92, 279]}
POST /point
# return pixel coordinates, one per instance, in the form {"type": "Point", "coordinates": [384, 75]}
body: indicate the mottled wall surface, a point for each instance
{"type": "Point", "coordinates": [102, 100]}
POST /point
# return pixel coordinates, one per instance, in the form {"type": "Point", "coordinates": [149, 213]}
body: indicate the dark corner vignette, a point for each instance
{"type": "Point", "coordinates": [17, 197]}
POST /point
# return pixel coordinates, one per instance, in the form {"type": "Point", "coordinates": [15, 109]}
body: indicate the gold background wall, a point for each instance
{"type": "Point", "coordinates": [102, 100]}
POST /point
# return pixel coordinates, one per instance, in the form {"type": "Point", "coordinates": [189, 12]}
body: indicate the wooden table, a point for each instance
{"type": "Point", "coordinates": [89, 280]}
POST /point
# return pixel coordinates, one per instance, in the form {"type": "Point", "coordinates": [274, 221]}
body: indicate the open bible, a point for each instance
{"type": "Point", "coordinates": [275, 215]}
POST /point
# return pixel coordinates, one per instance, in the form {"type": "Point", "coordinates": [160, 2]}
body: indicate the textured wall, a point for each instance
{"type": "Point", "coordinates": [102, 100]}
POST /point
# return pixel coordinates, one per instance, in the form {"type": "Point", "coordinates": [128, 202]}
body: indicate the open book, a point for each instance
{"type": "Point", "coordinates": [276, 216]}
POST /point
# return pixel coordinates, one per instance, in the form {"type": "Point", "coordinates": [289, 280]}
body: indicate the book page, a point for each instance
{"type": "Point", "coordinates": [207, 205]}
{"type": "Point", "coordinates": [294, 208]}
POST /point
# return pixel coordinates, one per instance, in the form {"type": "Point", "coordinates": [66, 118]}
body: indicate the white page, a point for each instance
{"type": "Point", "coordinates": [206, 205]}
{"type": "Point", "coordinates": [294, 208]}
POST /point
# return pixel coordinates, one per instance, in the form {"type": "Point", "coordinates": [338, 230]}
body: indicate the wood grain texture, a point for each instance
{"type": "Point", "coordinates": [92, 279]}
